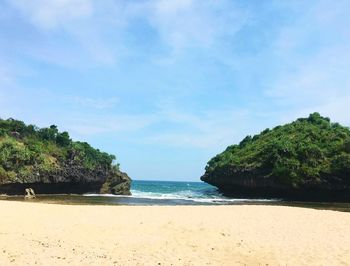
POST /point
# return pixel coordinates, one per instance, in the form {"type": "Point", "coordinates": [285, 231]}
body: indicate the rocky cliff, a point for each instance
{"type": "Point", "coordinates": [308, 159]}
{"type": "Point", "coordinates": [70, 180]}
{"type": "Point", "coordinates": [51, 163]}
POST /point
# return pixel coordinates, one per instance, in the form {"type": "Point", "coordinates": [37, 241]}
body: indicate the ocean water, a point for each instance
{"type": "Point", "coordinates": [174, 193]}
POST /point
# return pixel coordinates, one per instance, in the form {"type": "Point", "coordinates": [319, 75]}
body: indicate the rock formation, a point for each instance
{"type": "Point", "coordinates": [49, 162]}
{"type": "Point", "coordinates": [29, 193]}
{"type": "Point", "coordinates": [71, 179]}
{"type": "Point", "coordinates": [117, 183]}
{"type": "Point", "coordinates": [308, 159]}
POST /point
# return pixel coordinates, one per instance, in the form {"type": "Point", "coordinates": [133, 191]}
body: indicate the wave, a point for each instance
{"type": "Point", "coordinates": [184, 195]}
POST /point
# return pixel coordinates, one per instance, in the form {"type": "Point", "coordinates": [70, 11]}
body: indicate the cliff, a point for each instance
{"type": "Point", "coordinates": [51, 163]}
{"type": "Point", "coordinates": [308, 159]}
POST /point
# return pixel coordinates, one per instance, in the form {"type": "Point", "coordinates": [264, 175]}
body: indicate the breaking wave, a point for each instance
{"type": "Point", "coordinates": [178, 193]}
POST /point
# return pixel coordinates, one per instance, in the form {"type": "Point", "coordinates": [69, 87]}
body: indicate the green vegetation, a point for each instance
{"type": "Point", "coordinates": [25, 149]}
{"type": "Point", "coordinates": [307, 152]}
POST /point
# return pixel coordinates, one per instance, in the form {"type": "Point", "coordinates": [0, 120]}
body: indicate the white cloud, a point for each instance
{"type": "Point", "coordinates": [208, 129]}
{"type": "Point", "coordinates": [97, 103]}
{"type": "Point", "coordinates": [167, 126]}
{"type": "Point", "coordinates": [100, 28]}
{"type": "Point", "coordinates": [317, 78]}
{"type": "Point", "coordinates": [100, 124]}
{"type": "Point", "coordinates": [50, 14]}
{"type": "Point", "coordinates": [6, 77]}
{"type": "Point", "coordinates": [313, 54]}
{"type": "Point", "coordinates": [195, 23]}
{"type": "Point", "coordinates": [71, 33]}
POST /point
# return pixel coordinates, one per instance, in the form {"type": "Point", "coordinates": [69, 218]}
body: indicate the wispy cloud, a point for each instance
{"type": "Point", "coordinates": [194, 23]}
{"type": "Point", "coordinates": [313, 54]}
{"type": "Point", "coordinates": [6, 76]}
{"type": "Point", "coordinates": [79, 32]}
{"type": "Point", "coordinates": [211, 130]}
{"type": "Point", "coordinates": [107, 124]}
{"type": "Point", "coordinates": [102, 28]}
{"type": "Point", "coordinates": [53, 14]}
{"type": "Point", "coordinates": [97, 103]}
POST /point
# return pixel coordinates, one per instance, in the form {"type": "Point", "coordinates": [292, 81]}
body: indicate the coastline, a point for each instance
{"type": "Point", "coordinates": [169, 200]}
{"type": "Point", "coordinates": [171, 235]}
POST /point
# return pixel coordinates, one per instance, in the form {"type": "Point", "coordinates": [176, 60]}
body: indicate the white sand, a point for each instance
{"type": "Point", "coordinates": [48, 234]}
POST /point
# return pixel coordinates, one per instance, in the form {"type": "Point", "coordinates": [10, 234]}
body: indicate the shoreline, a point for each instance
{"type": "Point", "coordinates": [120, 200]}
{"type": "Point", "coordinates": [171, 235]}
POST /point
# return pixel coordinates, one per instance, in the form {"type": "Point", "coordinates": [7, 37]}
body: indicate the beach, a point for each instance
{"type": "Point", "coordinates": [53, 234]}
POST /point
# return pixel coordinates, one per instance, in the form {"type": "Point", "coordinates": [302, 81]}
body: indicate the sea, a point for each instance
{"type": "Point", "coordinates": [173, 193]}
{"type": "Point", "coordinates": [169, 193]}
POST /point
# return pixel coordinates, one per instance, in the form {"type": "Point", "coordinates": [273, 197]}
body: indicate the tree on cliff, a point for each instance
{"type": "Point", "coordinates": [25, 149]}
{"type": "Point", "coordinates": [308, 152]}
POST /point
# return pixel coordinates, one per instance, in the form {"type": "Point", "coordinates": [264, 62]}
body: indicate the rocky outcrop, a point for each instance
{"type": "Point", "coordinates": [117, 183]}
{"type": "Point", "coordinates": [50, 162]}
{"type": "Point", "coordinates": [307, 159]}
{"type": "Point", "coordinates": [70, 179]}
{"type": "Point", "coordinates": [254, 183]}
{"type": "Point", "coordinates": [29, 193]}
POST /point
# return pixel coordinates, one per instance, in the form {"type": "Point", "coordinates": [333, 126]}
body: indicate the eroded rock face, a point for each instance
{"type": "Point", "coordinates": [70, 179]}
{"type": "Point", "coordinates": [50, 162]}
{"type": "Point", "coordinates": [255, 183]}
{"type": "Point", "coordinates": [307, 159]}
{"type": "Point", "coordinates": [117, 183]}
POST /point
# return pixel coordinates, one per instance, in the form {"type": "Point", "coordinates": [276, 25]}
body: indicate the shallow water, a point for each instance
{"type": "Point", "coordinates": [174, 193]}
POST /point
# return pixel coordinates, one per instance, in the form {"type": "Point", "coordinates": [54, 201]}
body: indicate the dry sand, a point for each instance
{"type": "Point", "coordinates": [48, 234]}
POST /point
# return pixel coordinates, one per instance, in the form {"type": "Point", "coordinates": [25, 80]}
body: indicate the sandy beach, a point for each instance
{"type": "Point", "coordinates": [50, 234]}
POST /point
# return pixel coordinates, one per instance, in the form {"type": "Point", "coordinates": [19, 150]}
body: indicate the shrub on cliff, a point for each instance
{"type": "Point", "coordinates": [306, 152]}
{"type": "Point", "coordinates": [27, 148]}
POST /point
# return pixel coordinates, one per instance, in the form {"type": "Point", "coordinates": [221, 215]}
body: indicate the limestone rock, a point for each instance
{"type": "Point", "coordinates": [29, 193]}
{"type": "Point", "coordinates": [117, 183]}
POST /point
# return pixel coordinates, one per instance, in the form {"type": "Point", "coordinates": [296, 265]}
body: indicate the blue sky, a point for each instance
{"type": "Point", "coordinates": [167, 84]}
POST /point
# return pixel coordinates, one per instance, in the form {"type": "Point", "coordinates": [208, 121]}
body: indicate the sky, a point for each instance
{"type": "Point", "coordinates": [167, 84]}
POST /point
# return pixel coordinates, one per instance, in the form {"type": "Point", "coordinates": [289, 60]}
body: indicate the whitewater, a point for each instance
{"type": "Point", "coordinates": [175, 193]}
